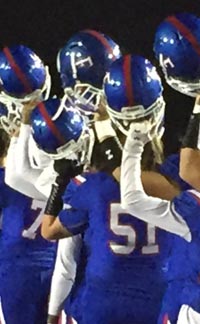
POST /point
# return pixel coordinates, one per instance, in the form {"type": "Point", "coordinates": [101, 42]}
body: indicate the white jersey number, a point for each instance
{"type": "Point", "coordinates": [130, 234]}
{"type": "Point", "coordinates": [37, 206]}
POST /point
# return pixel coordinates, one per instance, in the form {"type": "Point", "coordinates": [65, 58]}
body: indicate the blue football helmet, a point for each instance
{"type": "Point", "coordinates": [83, 63]}
{"type": "Point", "coordinates": [133, 91]}
{"type": "Point", "coordinates": [23, 77]}
{"type": "Point", "coordinates": [177, 47]}
{"type": "Point", "coordinates": [60, 132]}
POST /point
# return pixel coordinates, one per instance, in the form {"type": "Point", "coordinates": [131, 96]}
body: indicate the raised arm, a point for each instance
{"type": "Point", "coordinates": [153, 210]}
{"type": "Point", "coordinates": [190, 151]}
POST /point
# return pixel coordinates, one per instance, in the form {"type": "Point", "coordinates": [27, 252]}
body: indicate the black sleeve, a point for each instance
{"type": "Point", "coordinates": [107, 155]}
{"type": "Point", "coordinates": [190, 138]}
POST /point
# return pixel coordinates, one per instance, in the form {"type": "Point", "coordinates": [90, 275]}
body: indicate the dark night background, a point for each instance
{"type": "Point", "coordinates": [46, 25]}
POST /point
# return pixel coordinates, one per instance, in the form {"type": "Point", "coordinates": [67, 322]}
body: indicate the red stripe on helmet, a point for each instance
{"type": "Point", "coordinates": [19, 73]}
{"type": "Point", "coordinates": [186, 32]}
{"type": "Point", "coordinates": [50, 123]}
{"type": "Point", "coordinates": [128, 79]}
{"type": "Point", "coordinates": [103, 40]}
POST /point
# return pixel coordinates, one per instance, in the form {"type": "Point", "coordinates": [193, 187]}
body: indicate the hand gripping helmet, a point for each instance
{"type": "Point", "coordinates": [83, 63]}
{"type": "Point", "coordinates": [177, 47]}
{"type": "Point", "coordinates": [134, 92]}
{"type": "Point", "coordinates": [60, 132]}
{"type": "Point", "coordinates": [8, 121]}
{"type": "Point", "coordinates": [23, 78]}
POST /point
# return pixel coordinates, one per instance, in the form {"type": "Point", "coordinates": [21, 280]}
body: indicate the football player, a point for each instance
{"type": "Point", "coordinates": [178, 217]}
{"type": "Point", "coordinates": [24, 80]}
{"type": "Point", "coordinates": [26, 258]}
{"type": "Point", "coordinates": [120, 255]}
{"type": "Point", "coordinates": [177, 48]}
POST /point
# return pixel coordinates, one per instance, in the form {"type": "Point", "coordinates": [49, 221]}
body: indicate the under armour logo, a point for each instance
{"type": "Point", "coordinates": [109, 154]}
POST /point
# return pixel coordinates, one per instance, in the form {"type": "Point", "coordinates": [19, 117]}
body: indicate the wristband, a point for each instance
{"type": "Point", "coordinates": [55, 202]}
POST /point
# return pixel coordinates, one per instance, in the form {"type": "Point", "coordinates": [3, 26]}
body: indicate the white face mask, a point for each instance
{"type": "Point", "coordinates": [123, 119]}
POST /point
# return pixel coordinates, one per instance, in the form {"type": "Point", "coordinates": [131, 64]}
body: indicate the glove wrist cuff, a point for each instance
{"type": "Point", "coordinates": [55, 203]}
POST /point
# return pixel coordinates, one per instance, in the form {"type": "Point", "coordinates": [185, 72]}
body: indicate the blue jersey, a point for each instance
{"type": "Point", "coordinates": [183, 270]}
{"type": "Point", "coordinates": [170, 168]}
{"type": "Point", "coordinates": [125, 255]}
{"type": "Point", "coordinates": [183, 265]}
{"type": "Point", "coordinates": [20, 238]}
{"type": "Point", "coordinates": [26, 259]}
{"type": "Point", "coordinates": [72, 303]}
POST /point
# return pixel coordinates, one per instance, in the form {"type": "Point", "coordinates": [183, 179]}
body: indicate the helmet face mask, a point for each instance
{"type": "Point", "coordinates": [155, 113]}
{"type": "Point", "coordinates": [87, 97]}
{"type": "Point", "coordinates": [189, 88]}
{"type": "Point", "coordinates": [74, 150]}
{"type": "Point", "coordinates": [82, 64]}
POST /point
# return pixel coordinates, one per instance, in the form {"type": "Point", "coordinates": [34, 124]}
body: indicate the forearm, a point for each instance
{"type": "Point", "coordinates": [133, 198]}
{"type": "Point", "coordinates": [13, 179]}
{"type": "Point", "coordinates": [189, 166]}
{"type": "Point", "coordinates": [64, 273]}
{"type": "Point", "coordinates": [24, 166]}
{"type": "Point", "coordinates": [52, 229]}
{"type": "Point", "coordinates": [190, 152]}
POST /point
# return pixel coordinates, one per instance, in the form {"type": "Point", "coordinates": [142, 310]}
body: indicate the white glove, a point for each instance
{"type": "Point", "coordinates": [141, 132]}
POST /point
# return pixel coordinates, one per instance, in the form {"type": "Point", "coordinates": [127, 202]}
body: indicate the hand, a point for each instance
{"type": "Point", "coordinates": [66, 169]}
{"type": "Point", "coordinates": [142, 132]}
{"type": "Point", "coordinates": [26, 111]}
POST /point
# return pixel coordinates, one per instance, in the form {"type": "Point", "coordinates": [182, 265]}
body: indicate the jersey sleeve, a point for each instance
{"type": "Point", "coordinates": [149, 209]}
{"type": "Point", "coordinates": [16, 180]}
{"type": "Point", "coordinates": [44, 182]}
{"type": "Point", "coordinates": [170, 168]}
{"type": "Point", "coordinates": [74, 215]}
{"type": "Point", "coordinates": [71, 188]}
{"type": "Point", "coordinates": [24, 166]}
{"type": "Point", "coordinates": [64, 272]}
{"type": "Point", "coordinates": [188, 205]}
